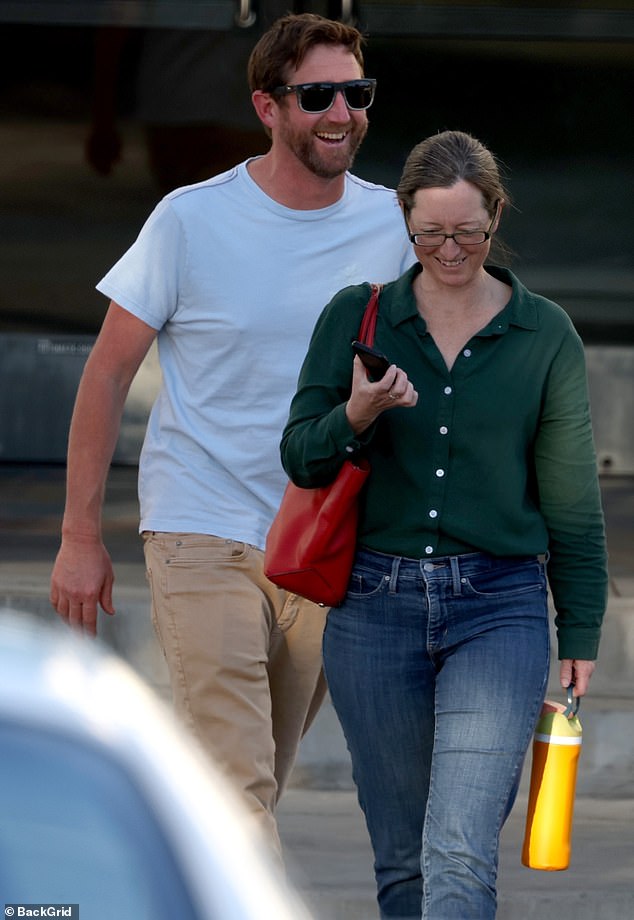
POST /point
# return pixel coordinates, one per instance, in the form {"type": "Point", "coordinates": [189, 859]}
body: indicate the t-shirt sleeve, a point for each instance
{"type": "Point", "coordinates": [147, 278]}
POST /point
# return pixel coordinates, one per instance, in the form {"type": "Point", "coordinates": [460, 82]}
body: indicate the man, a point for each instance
{"type": "Point", "coordinates": [231, 275]}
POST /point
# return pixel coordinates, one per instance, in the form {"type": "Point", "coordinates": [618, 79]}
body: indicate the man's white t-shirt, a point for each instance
{"type": "Point", "coordinates": [234, 283]}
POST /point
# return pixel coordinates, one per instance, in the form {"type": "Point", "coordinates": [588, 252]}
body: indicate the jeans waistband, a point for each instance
{"type": "Point", "coordinates": [465, 563]}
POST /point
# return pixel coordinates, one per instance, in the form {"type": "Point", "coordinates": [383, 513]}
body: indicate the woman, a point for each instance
{"type": "Point", "coordinates": [483, 468]}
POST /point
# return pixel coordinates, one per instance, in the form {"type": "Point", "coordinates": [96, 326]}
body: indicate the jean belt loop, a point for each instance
{"type": "Point", "coordinates": [396, 564]}
{"type": "Point", "coordinates": [455, 573]}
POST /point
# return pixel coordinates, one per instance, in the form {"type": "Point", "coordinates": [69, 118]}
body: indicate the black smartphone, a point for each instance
{"type": "Point", "coordinates": [375, 361]}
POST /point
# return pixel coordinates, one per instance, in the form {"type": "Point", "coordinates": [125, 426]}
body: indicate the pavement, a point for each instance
{"type": "Point", "coordinates": [321, 825]}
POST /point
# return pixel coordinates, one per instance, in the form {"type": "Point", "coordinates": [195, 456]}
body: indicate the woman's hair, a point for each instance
{"type": "Point", "coordinates": [444, 159]}
{"type": "Point", "coordinates": [285, 45]}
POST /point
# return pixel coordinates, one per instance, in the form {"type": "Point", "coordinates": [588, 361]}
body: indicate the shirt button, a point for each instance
{"type": "Point", "coordinates": [429, 550]}
{"type": "Point", "coordinates": [443, 429]}
{"type": "Point", "coordinates": [433, 513]}
{"type": "Point", "coordinates": [349, 450]}
{"type": "Point", "coordinates": [467, 352]}
{"type": "Point", "coordinates": [440, 473]}
{"type": "Point", "coordinates": [447, 391]}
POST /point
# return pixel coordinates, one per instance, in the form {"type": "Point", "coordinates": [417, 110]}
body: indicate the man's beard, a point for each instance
{"type": "Point", "coordinates": [325, 164]}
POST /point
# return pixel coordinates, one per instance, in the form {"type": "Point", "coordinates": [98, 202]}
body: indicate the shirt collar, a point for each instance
{"type": "Point", "coordinates": [401, 303]}
{"type": "Point", "coordinates": [521, 310]}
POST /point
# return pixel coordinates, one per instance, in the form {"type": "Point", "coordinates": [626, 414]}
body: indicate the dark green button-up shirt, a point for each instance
{"type": "Point", "coordinates": [496, 457]}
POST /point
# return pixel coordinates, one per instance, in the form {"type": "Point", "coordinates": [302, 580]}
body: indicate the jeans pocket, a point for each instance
{"type": "Point", "coordinates": [193, 549]}
{"type": "Point", "coordinates": [506, 581]}
{"type": "Point", "coordinates": [366, 582]}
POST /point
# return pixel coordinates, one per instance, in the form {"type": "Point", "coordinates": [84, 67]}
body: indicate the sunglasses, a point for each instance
{"type": "Point", "coordinates": [315, 98]}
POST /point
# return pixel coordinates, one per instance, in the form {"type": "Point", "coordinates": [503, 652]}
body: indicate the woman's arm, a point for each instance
{"type": "Point", "coordinates": [570, 502]}
{"type": "Point", "coordinates": [333, 413]}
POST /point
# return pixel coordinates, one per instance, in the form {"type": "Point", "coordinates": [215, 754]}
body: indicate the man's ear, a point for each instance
{"type": "Point", "coordinates": [266, 107]}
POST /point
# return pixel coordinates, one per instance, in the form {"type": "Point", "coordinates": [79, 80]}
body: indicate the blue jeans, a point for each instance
{"type": "Point", "coordinates": [437, 669]}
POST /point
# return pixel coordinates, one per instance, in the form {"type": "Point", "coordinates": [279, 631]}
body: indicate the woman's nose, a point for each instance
{"type": "Point", "coordinates": [451, 243]}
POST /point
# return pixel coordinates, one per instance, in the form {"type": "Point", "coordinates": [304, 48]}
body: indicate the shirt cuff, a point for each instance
{"type": "Point", "coordinates": [345, 440]}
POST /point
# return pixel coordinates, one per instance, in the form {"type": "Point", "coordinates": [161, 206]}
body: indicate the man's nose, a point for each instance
{"type": "Point", "coordinates": [339, 111]}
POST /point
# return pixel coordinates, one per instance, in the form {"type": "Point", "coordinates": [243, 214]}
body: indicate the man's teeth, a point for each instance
{"type": "Point", "coordinates": [331, 137]}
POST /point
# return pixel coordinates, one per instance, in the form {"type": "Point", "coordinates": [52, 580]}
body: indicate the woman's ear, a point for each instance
{"type": "Point", "coordinates": [499, 207]}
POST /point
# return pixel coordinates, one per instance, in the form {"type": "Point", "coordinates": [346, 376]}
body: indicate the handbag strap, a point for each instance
{"type": "Point", "coordinates": [368, 323]}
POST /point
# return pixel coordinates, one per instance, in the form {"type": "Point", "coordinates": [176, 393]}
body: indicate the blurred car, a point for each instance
{"type": "Point", "coordinates": [105, 802]}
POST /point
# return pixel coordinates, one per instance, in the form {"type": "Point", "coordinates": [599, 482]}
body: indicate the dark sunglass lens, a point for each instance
{"type": "Point", "coordinates": [358, 95]}
{"type": "Point", "coordinates": [316, 98]}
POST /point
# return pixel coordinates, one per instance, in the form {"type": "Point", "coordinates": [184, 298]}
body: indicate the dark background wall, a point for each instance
{"type": "Point", "coordinates": [557, 113]}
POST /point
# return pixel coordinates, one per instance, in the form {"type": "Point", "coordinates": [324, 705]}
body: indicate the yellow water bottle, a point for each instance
{"type": "Point", "coordinates": [556, 749]}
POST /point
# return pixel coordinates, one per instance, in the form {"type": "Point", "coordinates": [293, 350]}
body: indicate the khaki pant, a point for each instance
{"type": "Point", "coordinates": [244, 659]}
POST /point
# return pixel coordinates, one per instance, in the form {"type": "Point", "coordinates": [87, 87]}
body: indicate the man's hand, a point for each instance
{"type": "Point", "coordinates": [82, 581]}
{"type": "Point", "coordinates": [577, 672]}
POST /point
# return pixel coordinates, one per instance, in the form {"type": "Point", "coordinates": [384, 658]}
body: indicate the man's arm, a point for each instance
{"type": "Point", "coordinates": [82, 576]}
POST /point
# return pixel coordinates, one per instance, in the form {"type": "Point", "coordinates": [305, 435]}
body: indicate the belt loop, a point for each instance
{"type": "Point", "coordinates": [455, 574]}
{"type": "Point", "coordinates": [396, 564]}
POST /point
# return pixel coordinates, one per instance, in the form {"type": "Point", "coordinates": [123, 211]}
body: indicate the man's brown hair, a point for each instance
{"type": "Point", "coordinates": [284, 46]}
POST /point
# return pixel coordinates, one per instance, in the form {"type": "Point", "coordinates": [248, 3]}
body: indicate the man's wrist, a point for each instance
{"type": "Point", "coordinates": [83, 535]}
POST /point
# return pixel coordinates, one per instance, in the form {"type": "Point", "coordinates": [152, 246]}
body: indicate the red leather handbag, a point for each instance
{"type": "Point", "coordinates": [311, 544]}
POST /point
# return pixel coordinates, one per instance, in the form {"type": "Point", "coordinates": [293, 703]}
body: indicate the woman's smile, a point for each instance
{"type": "Point", "coordinates": [451, 263]}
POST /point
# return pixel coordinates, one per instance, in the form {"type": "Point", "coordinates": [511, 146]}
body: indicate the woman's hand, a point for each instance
{"type": "Point", "coordinates": [368, 400]}
{"type": "Point", "coordinates": [577, 672]}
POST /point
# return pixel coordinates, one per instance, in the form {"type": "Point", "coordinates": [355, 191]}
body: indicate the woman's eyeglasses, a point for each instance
{"type": "Point", "coordinates": [462, 237]}
{"type": "Point", "coordinates": [315, 98]}
{"type": "Point", "coordinates": [433, 238]}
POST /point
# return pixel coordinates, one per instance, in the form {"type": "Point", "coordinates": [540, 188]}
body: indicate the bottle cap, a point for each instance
{"type": "Point", "coordinates": [559, 721]}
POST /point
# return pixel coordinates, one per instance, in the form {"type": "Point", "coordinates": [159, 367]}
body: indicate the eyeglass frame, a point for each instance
{"type": "Point", "coordinates": [452, 236]}
{"type": "Point", "coordinates": [297, 88]}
